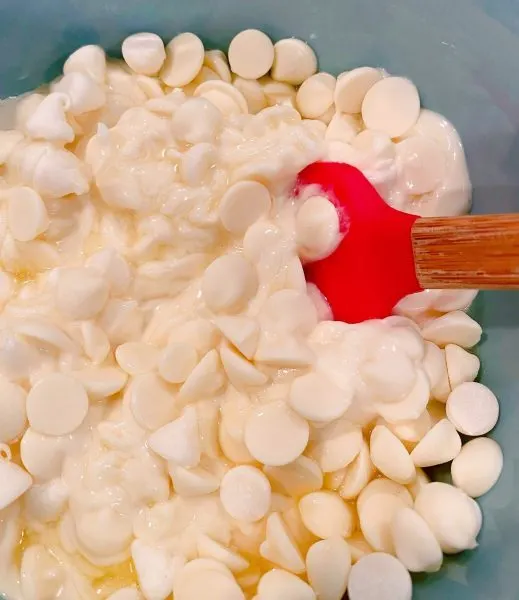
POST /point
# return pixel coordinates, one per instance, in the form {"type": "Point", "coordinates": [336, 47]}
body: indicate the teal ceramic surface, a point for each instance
{"type": "Point", "coordinates": [464, 57]}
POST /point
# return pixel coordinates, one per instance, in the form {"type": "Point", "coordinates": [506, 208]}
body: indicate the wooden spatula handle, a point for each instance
{"type": "Point", "coordinates": [474, 251]}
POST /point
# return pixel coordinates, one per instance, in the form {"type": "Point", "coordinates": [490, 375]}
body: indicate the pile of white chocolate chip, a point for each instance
{"type": "Point", "coordinates": [179, 415]}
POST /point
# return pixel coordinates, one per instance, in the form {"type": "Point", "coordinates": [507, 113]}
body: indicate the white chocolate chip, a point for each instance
{"type": "Point", "coordinates": [207, 582]}
{"type": "Point", "coordinates": [12, 410]}
{"type": "Point", "coordinates": [121, 321]}
{"type": "Point", "coordinates": [357, 474]}
{"type": "Point", "coordinates": [297, 478]}
{"type": "Point", "coordinates": [336, 445]}
{"type": "Point", "coordinates": [253, 93]}
{"type": "Point", "coordinates": [209, 548]}
{"type": "Point", "coordinates": [317, 399]}
{"type": "Point", "coordinates": [323, 310]}
{"type": "Point", "coordinates": [279, 93]}
{"type": "Point", "coordinates": [151, 402]}
{"type": "Point", "coordinates": [87, 59]}
{"type": "Point", "coordinates": [454, 518]}
{"type": "Point", "coordinates": [435, 366]}
{"type": "Point", "coordinates": [477, 467]}
{"type": "Point", "coordinates": [328, 564]}
{"type": "Point", "coordinates": [102, 382]}
{"type": "Point", "coordinates": [42, 455]}
{"type": "Point", "coordinates": [136, 357]}
{"type": "Point", "coordinates": [317, 228]}
{"type": "Point", "coordinates": [177, 361]}
{"type": "Point", "coordinates": [449, 300]}
{"type": "Point", "coordinates": [390, 456]}
{"type": "Point", "coordinates": [391, 105]}
{"type": "Point", "coordinates": [279, 584]}
{"type": "Point", "coordinates": [315, 96]}
{"type": "Point", "coordinates": [326, 515]}
{"type": "Point", "coordinates": [234, 412]}
{"type": "Point", "coordinates": [155, 570]}
{"type": "Point", "coordinates": [184, 59]}
{"type": "Point", "coordinates": [415, 544]}
{"type": "Point", "coordinates": [81, 293]}
{"type": "Point", "coordinates": [15, 482]}
{"type": "Point", "coordinates": [242, 332]}
{"type": "Point", "coordinates": [453, 328]}
{"type": "Point", "coordinates": [411, 431]}
{"type": "Point", "coordinates": [144, 53]}
{"type": "Point", "coordinates": [352, 87]}
{"type": "Point", "coordinates": [439, 445]}
{"type": "Point", "coordinates": [384, 486]}
{"type": "Point", "coordinates": [412, 406]}
{"type": "Point", "coordinates": [200, 333]}
{"type": "Point", "coordinates": [294, 61]}
{"type": "Point", "coordinates": [45, 333]}
{"type": "Point", "coordinates": [53, 172]}
{"type": "Point", "coordinates": [251, 54]}
{"type": "Point", "coordinates": [178, 441]}
{"type": "Point", "coordinates": [49, 120]}
{"type": "Point", "coordinates": [224, 96]}
{"type": "Point", "coordinates": [229, 283]}
{"type": "Point", "coordinates": [275, 435]}
{"type": "Point", "coordinates": [205, 379]}
{"type": "Point", "coordinates": [239, 370]}
{"type": "Point", "coordinates": [376, 512]}
{"type": "Point", "coordinates": [195, 482]}
{"type": "Point", "coordinates": [242, 205]}
{"type": "Point", "coordinates": [57, 405]}
{"type": "Point", "coordinates": [216, 60]}
{"type": "Point", "coordinates": [151, 87]}
{"type": "Point", "coordinates": [86, 95]}
{"type": "Point", "coordinates": [24, 107]}
{"type": "Point", "coordinates": [462, 366]}
{"type": "Point", "coordinates": [379, 576]}
{"type": "Point", "coordinates": [245, 493]}
{"type": "Point", "coordinates": [472, 408]}
{"type": "Point", "coordinates": [279, 546]}
{"type": "Point", "coordinates": [18, 358]}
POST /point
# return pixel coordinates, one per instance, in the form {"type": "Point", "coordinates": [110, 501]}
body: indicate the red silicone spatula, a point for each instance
{"type": "Point", "coordinates": [386, 254]}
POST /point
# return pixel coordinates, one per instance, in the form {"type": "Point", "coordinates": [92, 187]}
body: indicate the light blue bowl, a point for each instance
{"type": "Point", "coordinates": [464, 57]}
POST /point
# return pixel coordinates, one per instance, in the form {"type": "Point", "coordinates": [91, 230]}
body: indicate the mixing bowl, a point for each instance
{"type": "Point", "coordinates": [464, 57]}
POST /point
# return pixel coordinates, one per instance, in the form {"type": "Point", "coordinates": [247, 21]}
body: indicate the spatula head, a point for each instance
{"type": "Point", "coordinates": [373, 266]}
